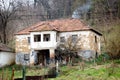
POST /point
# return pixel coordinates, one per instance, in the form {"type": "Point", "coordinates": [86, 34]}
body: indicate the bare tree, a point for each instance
{"type": "Point", "coordinates": [7, 13]}
{"type": "Point", "coordinates": [68, 50]}
{"type": "Point", "coordinates": [58, 8]}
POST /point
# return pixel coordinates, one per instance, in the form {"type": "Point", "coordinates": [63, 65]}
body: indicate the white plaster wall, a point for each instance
{"type": "Point", "coordinates": [21, 37]}
{"type": "Point", "coordinates": [43, 44]}
{"type": "Point", "coordinates": [6, 58]}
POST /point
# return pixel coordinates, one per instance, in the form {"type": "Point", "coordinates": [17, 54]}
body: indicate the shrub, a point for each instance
{"type": "Point", "coordinates": [112, 42]}
{"type": "Point", "coordinates": [52, 71]}
{"type": "Point", "coordinates": [102, 58]}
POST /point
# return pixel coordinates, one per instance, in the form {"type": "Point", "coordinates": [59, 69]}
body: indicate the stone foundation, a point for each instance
{"type": "Point", "coordinates": [22, 59]}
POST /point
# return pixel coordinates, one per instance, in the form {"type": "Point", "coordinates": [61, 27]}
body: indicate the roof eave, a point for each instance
{"type": "Point", "coordinates": [43, 30]}
{"type": "Point", "coordinates": [22, 34]}
{"type": "Point", "coordinates": [97, 32]}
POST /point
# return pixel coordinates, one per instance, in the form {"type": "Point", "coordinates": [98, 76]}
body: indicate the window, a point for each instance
{"type": "Point", "coordinates": [74, 38]}
{"type": "Point", "coordinates": [29, 40]}
{"type": "Point", "coordinates": [37, 38]}
{"type": "Point", "coordinates": [62, 39]}
{"type": "Point", "coordinates": [95, 39]}
{"type": "Point", "coordinates": [46, 37]}
{"type": "Point", "coordinates": [96, 55]}
{"type": "Point", "coordinates": [26, 57]}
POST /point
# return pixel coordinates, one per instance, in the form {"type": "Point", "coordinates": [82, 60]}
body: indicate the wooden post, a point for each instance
{"type": "Point", "coordinates": [12, 77]}
{"type": "Point", "coordinates": [24, 72]}
{"type": "Point", "coordinates": [6, 77]}
{"type": "Point", "coordinates": [2, 73]}
{"type": "Point", "coordinates": [57, 68]}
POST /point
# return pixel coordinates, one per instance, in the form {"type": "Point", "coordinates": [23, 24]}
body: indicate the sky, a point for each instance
{"type": "Point", "coordinates": [6, 2]}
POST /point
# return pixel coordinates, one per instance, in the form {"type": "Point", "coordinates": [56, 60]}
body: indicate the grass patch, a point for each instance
{"type": "Point", "coordinates": [30, 71]}
{"type": "Point", "coordinates": [106, 71]}
{"type": "Point", "coordinates": [100, 72]}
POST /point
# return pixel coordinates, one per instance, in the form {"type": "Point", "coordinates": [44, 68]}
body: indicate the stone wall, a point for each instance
{"type": "Point", "coordinates": [94, 43]}
{"type": "Point", "coordinates": [22, 44]}
{"type": "Point", "coordinates": [86, 39]}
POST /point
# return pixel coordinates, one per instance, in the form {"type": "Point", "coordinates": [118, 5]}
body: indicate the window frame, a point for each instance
{"type": "Point", "coordinates": [45, 38]}
{"type": "Point", "coordinates": [95, 39]}
{"type": "Point", "coordinates": [74, 38]}
{"type": "Point", "coordinates": [62, 39]}
{"type": "Point", "coordinates": [38, 39]}
{"type": "Point", "coordinates": [28, 40]}
{"type": "Point", "coordinates": [26, 57]}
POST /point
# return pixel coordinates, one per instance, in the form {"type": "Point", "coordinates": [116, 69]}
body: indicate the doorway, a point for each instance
{"type": "Point", "coordinates": [43, 57]}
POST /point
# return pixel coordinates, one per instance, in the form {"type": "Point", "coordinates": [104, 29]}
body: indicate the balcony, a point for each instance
{"type": "Point", "coordinates": [43, 41]}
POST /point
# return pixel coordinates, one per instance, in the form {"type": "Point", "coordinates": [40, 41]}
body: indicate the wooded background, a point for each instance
{"type": "Point", "coordinates": [101, 14]}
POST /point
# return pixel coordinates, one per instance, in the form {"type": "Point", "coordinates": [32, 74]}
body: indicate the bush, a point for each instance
{"type": "Point", "coordinates": [112, 42]}
{"type": "Point", "coordinates": [102, 58]}
{"type": "Point", "coordinates": [52, 71]}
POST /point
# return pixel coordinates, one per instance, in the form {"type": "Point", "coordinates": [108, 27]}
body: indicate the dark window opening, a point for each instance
{"type": "Point", "coordinates": [29, 40]}
{"type": "Point", "coordinates": [26, 57]}
{"type": "Point", "coordinates": [96, 55]}
{"type": "Point", "coordinates": [95, 39]}
{"type": "Point", "coordinates": [46, 37]}
{"type": "Point", "coordinates": [37, 38]}
{"type": "Point", "coordinates": [74, 38]}
{"type": "Point", "coordinates": [62, 39]}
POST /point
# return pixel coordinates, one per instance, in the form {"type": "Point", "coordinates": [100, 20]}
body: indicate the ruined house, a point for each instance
{"type": "Point", "coordinates": [37, 43]}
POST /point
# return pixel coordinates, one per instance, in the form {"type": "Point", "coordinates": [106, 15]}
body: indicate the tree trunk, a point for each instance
{"type": "Point", "coordinates": [4, 33]}
{"type": "Point", "coordinates": [4, 36]}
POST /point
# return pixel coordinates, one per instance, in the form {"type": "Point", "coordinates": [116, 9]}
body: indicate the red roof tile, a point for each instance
{"type": "Point", "coordinates": [57, 25]}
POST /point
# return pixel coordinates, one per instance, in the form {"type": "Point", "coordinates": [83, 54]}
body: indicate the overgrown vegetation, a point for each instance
{"type": "Point", "coordinates": [104, 71]}
{"type": "Point", "coordinates": [109, 70]}
{"type": "Point", "coordinates": [67, 51]}
{"type": "Point", "coordinates": [7, 71]}
{"type": "Point", "coordinates": [112, 44]}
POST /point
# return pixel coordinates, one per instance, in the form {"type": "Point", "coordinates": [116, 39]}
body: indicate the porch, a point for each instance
{"type": "Point", "coordinates": [45, 57]}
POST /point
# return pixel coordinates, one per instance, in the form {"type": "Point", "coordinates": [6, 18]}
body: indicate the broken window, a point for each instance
{"type": "Point", "coordinates": [46, 37]}
{"type": "Point", "coordinates": [37, 38]}
{"type": "Point", "coordinates": [62, 39]}
{"type": "Point", "coordinates": [74, 38]}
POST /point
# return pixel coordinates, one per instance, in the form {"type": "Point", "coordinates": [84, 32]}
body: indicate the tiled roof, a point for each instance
{"type": "Point", "coordinates": [44, 27]}
{"type": "Point", "coordinates": [3, 47]}
{"type": "Point", "coordinates": [61, 25]}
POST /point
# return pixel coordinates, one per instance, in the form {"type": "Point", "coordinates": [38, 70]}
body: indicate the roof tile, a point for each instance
{"type": "Point", "coordinates": [57, 25]}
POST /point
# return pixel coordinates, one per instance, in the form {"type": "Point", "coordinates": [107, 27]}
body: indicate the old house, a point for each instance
{"type": "Point", "coordinates": [7, 57]}
{"type": "Point", "coordinates": [37, 44]}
